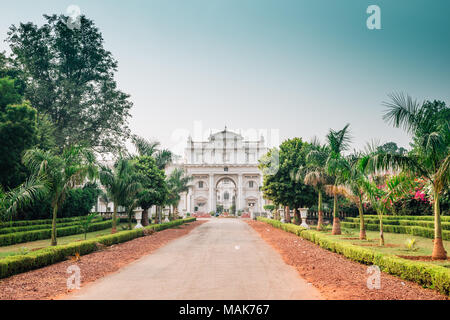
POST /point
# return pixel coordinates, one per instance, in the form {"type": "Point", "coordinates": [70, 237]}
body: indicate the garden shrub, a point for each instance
{"type": "Point", "coordinates": [27, 236]}
{"type": "Point", "coordinates": [425, 274]}
{"type": "Point", "coordinates": [41, 226]}
{"type": "Point", "coordinates": [21, 263]}
{"type": "Point", "coordinates": [413, 230]}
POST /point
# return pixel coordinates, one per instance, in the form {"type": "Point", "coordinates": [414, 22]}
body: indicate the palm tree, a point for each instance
{"type": "Point", "coordinates": [163, 158]}
{"type": "Point", "coordinates": [21, 197]}
{"type": "Point", "coordinates": [61, 173]}
{"type": "Point", "coordinates": [429, 125]}
{"type": "Point", "coordinates": [336, 167]}
{"type": "Point", "coordinates": [178, 183]}
{"type": "Point", "coordinates": [316, 175]}
{"type": "Point", "coordinates": [354, 186]}
{"type": "Point", "coordinates": [120, 184]}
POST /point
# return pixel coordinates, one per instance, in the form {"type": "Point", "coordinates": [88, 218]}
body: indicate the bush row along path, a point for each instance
{"type": "Point", "coordinates": [221, 259]}
{"type": "Point", "coordinates": [335, 276]}
{"type": "Point", "coordinates": [51, 281]}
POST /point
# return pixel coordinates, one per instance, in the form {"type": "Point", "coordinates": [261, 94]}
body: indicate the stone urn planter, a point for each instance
{"type": "Point", "coordinates": [303, 215]}
{"type": "Point", "coordinates": [281, 213]}
{"type": "Point", "coordinates": [166, 215]}
{"type": "Point", "coordinates": [138, 217]}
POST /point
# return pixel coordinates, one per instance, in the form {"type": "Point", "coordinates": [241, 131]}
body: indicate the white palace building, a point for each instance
{"type": "Point", "coordinates": [225, 174]}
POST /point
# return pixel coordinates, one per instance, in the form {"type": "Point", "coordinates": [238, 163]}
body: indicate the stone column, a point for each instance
{"type": "Point", "coordinates": [211, 193]}
{"type": "Point", "coordinates": [239, 203]}
{"type": "Point", "coordinates": [261, 198]}
{"type": "Point", "coordinates": [189, 198]}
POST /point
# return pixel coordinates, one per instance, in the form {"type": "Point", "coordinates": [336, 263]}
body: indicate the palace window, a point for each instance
{"type": "Point", "coordinates": [200, 184]}
{"type": "Point", "coordinates": [250, 184]}
{"type": "Point", "coordinates": [226, 196]}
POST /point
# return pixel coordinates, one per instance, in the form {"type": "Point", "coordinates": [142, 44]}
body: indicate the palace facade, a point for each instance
{"type": "Point", "coordinates": [225, 174]}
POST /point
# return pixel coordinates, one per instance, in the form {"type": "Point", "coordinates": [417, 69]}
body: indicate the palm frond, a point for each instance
{"type": "Point", "coordinates": [402, 111]}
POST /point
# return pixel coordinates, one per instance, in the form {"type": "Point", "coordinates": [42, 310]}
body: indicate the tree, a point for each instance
{"type": "Point", "coordinates": [429, 125]}
{"type": "Point", "coordinates": [120, 184]}
{"type": "Point", "coordinates": [316, 175]}
{"type": "Point", "coordinates": [69, 76]}
{"type": "Point", "coordinates": [384, 191]}
{"type": "Point", "coordinates": [336, 165]}
{"type": "Point", "coordinates": [86, 223]}
{"type": "Point", "coordinates": [154, 187]}
{"type": "Point", "coordinates": [354, 184]}
{"type": "Point", "coordinates": [79, 201]}
{"type": "Point", "coordinates": [163, 158]}
{"type": "Point", "coordinates": [177, 183]}
{"type": "Point", "coordinates": [18, 130]}
{"type": "Point", "coordinates": [61, 172]}
{"type": "Point", "coordinates": [391, 147]}
{"type": "Point", "coordinates": [285, 186]}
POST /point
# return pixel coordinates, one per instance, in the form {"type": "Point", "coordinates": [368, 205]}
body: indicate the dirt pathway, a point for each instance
{"type": "Point", "coordinates": [221, 259]}
{"type": "Point", "coordinates": [51, 281]}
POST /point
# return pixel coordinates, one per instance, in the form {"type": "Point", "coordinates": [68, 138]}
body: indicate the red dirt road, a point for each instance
{"type": "Point", "coordinates": [51, 281]}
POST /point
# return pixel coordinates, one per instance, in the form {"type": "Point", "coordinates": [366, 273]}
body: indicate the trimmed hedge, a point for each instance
{"type": "Point", "coordinates": [21, 263]}
{"type": "Point", "coordinates": [27, 236]}
{"type": "Point", "coordinates": [36, 222]}
{"type": "Point", "coordinates": [413, 230]}
{"type": "Point", "coordinates": [41, 226]}
{"type": "Point", "coordinates": [425, 274]}
{"type": "Point", "coordinates": [422, 218]}
{"type": "Point", "coordinates": [417, 223]}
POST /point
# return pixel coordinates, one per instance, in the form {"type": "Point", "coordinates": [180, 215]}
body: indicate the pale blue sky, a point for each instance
{"type": "Point", "coordinates": [298, 66]}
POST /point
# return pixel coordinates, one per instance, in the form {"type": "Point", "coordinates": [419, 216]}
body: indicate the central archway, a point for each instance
{"type": "Point", "coordinates": [226, 191]}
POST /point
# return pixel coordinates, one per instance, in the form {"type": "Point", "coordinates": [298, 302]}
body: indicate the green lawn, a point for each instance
{"type": "Point", "coordinates": [21, 248]}
{"type": "Point", "coordinates": [394, 244]}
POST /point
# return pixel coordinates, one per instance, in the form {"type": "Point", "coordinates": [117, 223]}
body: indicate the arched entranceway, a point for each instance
{"type": "Point", "coordinates": [226, 191]}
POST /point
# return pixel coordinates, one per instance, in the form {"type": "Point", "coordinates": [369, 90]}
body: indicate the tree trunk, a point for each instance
{"type": "Point", "coordinates": [336, 222]}
{"type": "Point", "coordinates": [287, 215]}
{"type": "Point", "coordinates": [439, 252]}
{"type": "Point", "coordinates": [55, 213]}
{"type": "Point", "coordinates": [320, 213]}
{"type": "Point", "coordinates": [114, 217]}
{"type": "Point", "coordinates": [298, 217]}
{"type": "Point", "coordinates": [381, 231]}
{"type": "Point", "coordinates": [144, 218]}
{"type": "Point", "coordinates": [362, 226]}
{"type": "Point", "coordinates": [129, 220]}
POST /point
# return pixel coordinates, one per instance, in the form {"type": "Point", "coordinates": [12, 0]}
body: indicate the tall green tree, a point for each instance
{"type": "Point", "coordinates": [337, 168]}
{"type": "Point", "coordinates": [120, 183]}
{"type": "Point", "coordinates": [429, 125]}
{"type": "Point", "coordinates": [154, 187]}
{"type": "Point", "coordinates": [285, 186]}
{"type": "Point", "coordinates": [316, 175]}
{"type": "Point", "coordinates": [18, 131]}
{"type": "Point", "coordinates": [163, 158]}
{"type": "Point", "coordinates": [177, 182]}
{"type": "Point", "coordinates": [69, 76]}
{"type": "Point", "coordinates": [61, 172]}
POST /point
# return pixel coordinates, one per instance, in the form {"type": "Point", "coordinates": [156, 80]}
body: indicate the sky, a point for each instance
{"type": "Point", "coordinates": [291, 68]}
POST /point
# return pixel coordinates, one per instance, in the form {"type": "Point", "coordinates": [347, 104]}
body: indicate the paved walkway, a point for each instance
{"type": "Point", "coordinates": [221, 259]}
